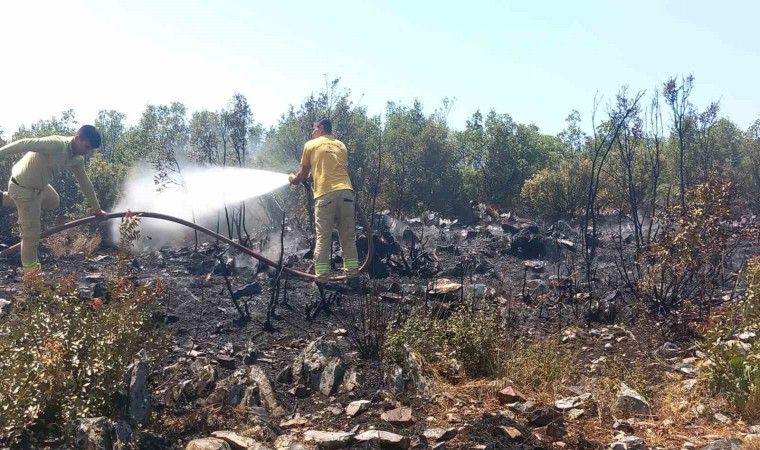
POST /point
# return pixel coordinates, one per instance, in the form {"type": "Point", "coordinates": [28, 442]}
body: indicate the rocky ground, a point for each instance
{"type": "Point", "coordinates": [227, 382]}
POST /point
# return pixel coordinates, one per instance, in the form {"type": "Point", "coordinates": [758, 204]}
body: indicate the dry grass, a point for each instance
{"type": "Point", "coordinates": [74, 242]}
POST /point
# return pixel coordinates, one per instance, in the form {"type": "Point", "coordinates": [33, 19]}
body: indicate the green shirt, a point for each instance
{"type": "Point", "coordinates": [44, 158]}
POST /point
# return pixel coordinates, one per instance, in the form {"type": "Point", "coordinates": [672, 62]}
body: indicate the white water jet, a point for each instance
{"type": "Point", "coordinates": [199, 195]}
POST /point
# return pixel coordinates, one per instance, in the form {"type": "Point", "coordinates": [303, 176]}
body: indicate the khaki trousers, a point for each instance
{"type": "Point", "coordinates": [331, 209]}
{"type": "Point", "coordinates": [29, 204]}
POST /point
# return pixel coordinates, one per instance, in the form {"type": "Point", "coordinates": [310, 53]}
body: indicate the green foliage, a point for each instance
{"type": "Point", "coordinates": [734, 370]}
{"type": "Point", "coordinates": [559, 193]}
{"type": "Point", "coordinates": [474, 339]}
{"type": "Point", "coordinates": [107, 178]}
{"type": "Point", "coordinates": [62, 358]}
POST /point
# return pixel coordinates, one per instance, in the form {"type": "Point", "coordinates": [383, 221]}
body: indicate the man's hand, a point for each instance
{"type": "Point", "coordinates": [99, 212]}
{"type": "Point", "coordinates": [292, 178]}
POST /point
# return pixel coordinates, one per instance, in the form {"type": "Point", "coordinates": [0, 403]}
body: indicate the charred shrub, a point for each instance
{"type": "Point", "coordinates": [366, 319]}
{"type": "Point", "coordinates": [686, 260]}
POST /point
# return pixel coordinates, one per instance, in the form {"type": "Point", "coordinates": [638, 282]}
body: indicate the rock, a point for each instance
{"type": "Point", "coordinates": [384, 439]}
{"type": "Point", "coordinates": [401, 417]}
{"type": "Point", "coordinates": [329, 439]}
{"type": "Point", "coordinates": [754, 429]}
{"type": "Point", "coordinates": [319, 366]}
{"type": "Point", "coordinates": [236, 441]}
{"type": "Point", "coordinates": [294, 422]}
{"type": "Point", "coordinates": [208, 443]}
{"type": "Point", "coordinates": [287, 442]}
{"type": "Point", "coordinates": [412, 378]}
{"type": "Point", "coordinates": [122, 434]}
{"type": "Point", "coordinates": [571, 402]}
{"type": "Point", "coordinates": [332, 375]}
{"type": "Point", "coordinates": [629, 443]}
{"type": "Point", "coordinates": [285, 376]}
{"type": "Point", "coordinates": [443, 286]}
{"type": "Point", "coordinates": [266, 391]}
{"type": "Point", "coordinates": [202, 381]}
{"type": "Point", "coordinates": [531, 244]}
{"type": "Point", "coordinates": [440, 434]}
{"type": "Point", "coordinates": [136, 378]}
{"type": "Point", "coordinates": [544, 416]}
{"type": "Point", "coordinates": [668, 350]}
{"type": "Point", "coordinates": [625, 426]}
{"type": "Point", "coordinates": [510, 395]}
{"type": "Point", "coordinates": [355, 408]}
{"type": "Point", "coordinates": [89, 434]}
{"type": "Point", "coordinates": [575, 413]}
{"type": "Point", "coordinates": [350, 381]}
{"type": "Point", "coordinates": [629, 402]}
{"type": "Point", "coordinates": [510, 432]}
{"type": "Point", "coordinates": [5, 307]}
{"type": "Point", "coordinates": [723, 444]}
{"type": "Point", "coordinates": [522, 407]}
{"type": "Point", "coordinates": [556, 430]}
{"type": "Point", "coordinates": [230, 392]}
{"type": "Point", "coordinates": [300, 391]}
{"type": "Point", "coordinates": [722, 418]}
{"type": "Point", "coordinates": [226, 361]}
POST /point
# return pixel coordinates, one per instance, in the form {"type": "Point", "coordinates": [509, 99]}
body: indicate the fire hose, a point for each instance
{"type": "Point", "coordinates": [117, 215]}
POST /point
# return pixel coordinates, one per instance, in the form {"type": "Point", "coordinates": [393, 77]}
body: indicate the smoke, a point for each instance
{"type": "Point", "coordinates": [199, 196]}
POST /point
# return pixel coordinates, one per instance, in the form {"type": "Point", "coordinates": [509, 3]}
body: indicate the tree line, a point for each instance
{"type": "Point", "coordinates": [645, 149]}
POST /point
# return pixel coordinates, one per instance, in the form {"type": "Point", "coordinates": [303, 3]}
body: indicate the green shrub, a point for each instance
{"type": "Point", "coordinates": [734, 368]}
{"type": "Point", "coordinates": [474, 339]}
{"type": "Point", "coordinates": [62, 357]}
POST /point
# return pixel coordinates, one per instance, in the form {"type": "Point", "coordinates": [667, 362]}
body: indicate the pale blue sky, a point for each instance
{"type": "Point", "coordinates": [534, 60]}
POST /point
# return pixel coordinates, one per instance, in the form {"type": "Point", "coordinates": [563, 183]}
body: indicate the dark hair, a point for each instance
{"type": "Point", "coordinates": [326, 124]}
{"type": "Point", "coordinates": [91, 135]}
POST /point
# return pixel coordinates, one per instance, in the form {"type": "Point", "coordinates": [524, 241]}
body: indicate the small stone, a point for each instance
{"type": "Point", "coordinates": [384, 439]}
{"type": "Point", "coordinates": [510, 395]}
{"type": "Point", "coordinates": [556, 430]}
{"type": "Point", "coordinates": [754, 429]}
{"type": "Point", "coordinates": [522, 407]}
{"type": "Point", "coordinates": [575, 413]}
{"type": "Point", "coordinates": [300, 391]}
{"type": "Point", "coordinates": [510, 432]}
{"type": "Point", "coordinates": [724, 444]}
{"type": "Point", "coordinates": [722, 418]}
{"type": "Point", "coordinates": [440, 434]}
{"type": "Point", "coordinates": [209, 443]}
{"type": "Point", "coordinates": [629, 443]}
{"type": "Point", "coordinates": [630, 402]}
{"type": "Point", "coordinates": [544, 416]}
{"type": "Point", "coordinates": [355, 408]}
{"type": "Point", "coordinates": [623, 425]}
{"type": "Point", "coordinates": [294, 422]}
{"type": "Point", "coordinates": [226, 361]}
{"type": "Point", "coordinates": [453, 418]}
{"type": "Point", "coordinates": [329, 440]}
{"type": "Point", "coordinates": [235, 440]}
{"type": "Point", "coordinates": [341, 331]}
{"type": "Point", "coordinates": [399, 416]}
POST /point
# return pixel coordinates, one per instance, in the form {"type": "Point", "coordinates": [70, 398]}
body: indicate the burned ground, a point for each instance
{"type": "Point", "coordinates": [525, 274]}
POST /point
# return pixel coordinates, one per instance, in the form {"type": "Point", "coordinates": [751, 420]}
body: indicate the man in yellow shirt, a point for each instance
{"type": "Point", "coordinates": [327, 160]}
{"type": "Point", "coordinates": [29, 188]}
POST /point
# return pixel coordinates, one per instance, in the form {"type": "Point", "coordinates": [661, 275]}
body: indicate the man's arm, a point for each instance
{"type": "Point", "coordinates": [86, 185]}
{"type": "Point", "coordinates": [39, 145]}
{"type": "Point", "coordinates": [301, 176]}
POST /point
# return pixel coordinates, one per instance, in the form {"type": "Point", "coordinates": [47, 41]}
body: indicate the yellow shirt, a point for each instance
{"type": "Point", "coordinates": [44, 158]}
{"type": "Point", "coordinates": [327, 159]}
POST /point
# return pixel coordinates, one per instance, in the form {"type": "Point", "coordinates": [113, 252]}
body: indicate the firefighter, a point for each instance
{"type": "Point", "coordinates": [327, 160]}
{"type": "Point", "coordinates": [29, 189]}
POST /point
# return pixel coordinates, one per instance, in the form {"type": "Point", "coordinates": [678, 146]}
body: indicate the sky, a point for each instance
{"type": "Point", "coordinates": [536, 61]}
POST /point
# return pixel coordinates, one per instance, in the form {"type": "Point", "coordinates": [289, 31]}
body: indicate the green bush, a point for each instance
{"type": "Point", "coordinates": [476, 340]}
{"type": "Point", "coordinates": [63, 358]}
{"type": "Point", "coordinates": [734, 368]}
